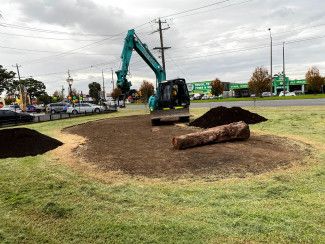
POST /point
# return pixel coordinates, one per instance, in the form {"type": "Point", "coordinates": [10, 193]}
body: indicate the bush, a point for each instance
{"type": "Point", "coordinates": [216, 87]}
{"type": "Point", "coordinates": [260, 81]}
{"type": "Point", "coordinates": [146, 90]}
{"type": "Point", "coordinates": [314, 80]}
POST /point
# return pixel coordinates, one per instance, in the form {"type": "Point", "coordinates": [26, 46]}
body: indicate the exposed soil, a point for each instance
{"type": "Point", "coordinates": [223, 116]}
{"type": "Point", "coordinates": [132, 146]}
{"type": "Point", "coordinates": [22, 142]}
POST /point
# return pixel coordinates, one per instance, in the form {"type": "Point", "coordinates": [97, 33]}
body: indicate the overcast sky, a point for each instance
{"type": "Point", "coordinates": [225, 40]}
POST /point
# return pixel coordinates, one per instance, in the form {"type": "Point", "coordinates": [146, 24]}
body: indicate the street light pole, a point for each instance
{"type": "Point", "coordinates": [284, 73]}
{"type": "Point", "coordinates": [271, 61]}
{"type": "Point", "coordinates": [70, 81]}
{"type": "Point", "coordinates": [112, 78]}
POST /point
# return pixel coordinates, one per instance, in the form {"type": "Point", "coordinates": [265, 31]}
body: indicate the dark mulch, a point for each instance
{"type": "Point", "coordinates": [223, 116]}
{"type": "Point", "coordinates": [22, 142]}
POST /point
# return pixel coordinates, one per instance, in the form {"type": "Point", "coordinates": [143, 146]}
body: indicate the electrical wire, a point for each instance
{"type": "Point", "coordinates": [195, 9]}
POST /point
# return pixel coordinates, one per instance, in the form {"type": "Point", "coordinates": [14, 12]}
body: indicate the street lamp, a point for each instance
{"type": "Point", "coordinates": [271, 68]}
{"type": "Point", "coordinates": [284, 70]}
{"type": "Point", "coordinates": [70, 81]}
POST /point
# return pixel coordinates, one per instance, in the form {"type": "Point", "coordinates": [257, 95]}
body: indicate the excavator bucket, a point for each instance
{"type": "Point", "coordinates": [181, 114]}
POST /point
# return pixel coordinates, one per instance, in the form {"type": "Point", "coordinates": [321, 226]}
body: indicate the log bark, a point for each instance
{"type": "Point", "coordinates": [234, 131]}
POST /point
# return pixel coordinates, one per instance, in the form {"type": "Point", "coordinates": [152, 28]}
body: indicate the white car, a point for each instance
{"type": "Point", "coordinates": [84, 108]}
{"type": "Point", "coordinates": [14, 108]}
{"type": "Point", "coordinates": [287, 94]}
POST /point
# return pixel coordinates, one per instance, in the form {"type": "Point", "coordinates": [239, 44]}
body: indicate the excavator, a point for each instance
{"type": "Point", "coordinates": [171, 100]}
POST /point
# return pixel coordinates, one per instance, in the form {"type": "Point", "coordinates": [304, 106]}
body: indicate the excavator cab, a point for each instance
{"type": "Point", "coordinates": [172, 101]}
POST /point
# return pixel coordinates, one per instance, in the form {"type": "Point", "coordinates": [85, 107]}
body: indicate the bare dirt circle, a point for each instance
{"type": "Point", "coordinates": [130, 145]}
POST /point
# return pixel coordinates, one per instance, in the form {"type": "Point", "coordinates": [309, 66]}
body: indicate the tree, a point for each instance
{"type": "Point", "coordinates": [6, 77]}
{"type": "Point", "coordinates": [45, 98]}
{"type": "Point", "coordinates": [314, 80]}
{"type": "Point", "coordinates": [116, 93]}
{"type": "Point", "coordinates": [58, 95]}
{"type": "Point", "coordinates": [34, 87]}
{"type": "Point", "coordinates": [146, 90]}
{"type": "Point", "coordinates": [94, 91]}
{"type": "Point", "coordinates": [216, 87]}
{"type": "Point", "coordinates": [260, 81]}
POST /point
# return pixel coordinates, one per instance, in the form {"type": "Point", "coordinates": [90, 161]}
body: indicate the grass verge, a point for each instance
{"type": "Point", "coordinates": [44, 200]}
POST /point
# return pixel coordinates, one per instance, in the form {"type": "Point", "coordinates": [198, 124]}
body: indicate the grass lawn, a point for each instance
{"type": "Point", "coordinates": [44, 200]}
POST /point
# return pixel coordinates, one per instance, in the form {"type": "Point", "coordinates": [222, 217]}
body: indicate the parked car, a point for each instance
{"type": "Point", "coordinates": [13, 107]}
{"type": "Point", "coordinates": [287, 94]}
{"type": "Point", "coordinates": [205, 97]}
{"type": "Point", "coordinates": [266, 94]}
{"type": "Point", "coordinates": [197, 96]}
{"type": "Point", "coordinates": [298, 92]}
{"type": "Point", "coordinates": [85, 108]}
{"type": "Point", "coordinates": [40, 108]}
{"type": "Point", "coordinates": [31, 109]}
{"type": "Point", "coordinates": [8, 117]}
{"type": "Point", "coordinates": [56, 107]}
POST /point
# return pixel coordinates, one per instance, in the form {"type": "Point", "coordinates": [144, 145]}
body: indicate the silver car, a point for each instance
{"type": "Point", "coordinates": [84, 108]}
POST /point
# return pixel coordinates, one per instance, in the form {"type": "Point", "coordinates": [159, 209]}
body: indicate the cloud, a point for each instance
{"type": "Point", "coordinates": [203, 44]}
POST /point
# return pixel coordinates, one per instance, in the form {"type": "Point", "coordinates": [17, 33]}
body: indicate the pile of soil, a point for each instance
{"type": "Point", "coordinates": [223, 116]}
{"type": "Point", "coordinates": [130, 145]}
{"type": "Point", "coordinates": [22, 142]}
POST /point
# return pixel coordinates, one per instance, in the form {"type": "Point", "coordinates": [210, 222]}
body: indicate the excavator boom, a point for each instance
{"type": "Point", "coordinates": [171, 99]}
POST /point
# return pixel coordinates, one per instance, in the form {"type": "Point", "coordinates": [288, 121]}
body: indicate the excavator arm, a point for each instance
{"type": "Point", "coordinates": [132, 42]}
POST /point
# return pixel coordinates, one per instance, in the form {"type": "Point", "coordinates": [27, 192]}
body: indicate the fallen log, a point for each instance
{"type": "Point", "coordinates": [234, 131]}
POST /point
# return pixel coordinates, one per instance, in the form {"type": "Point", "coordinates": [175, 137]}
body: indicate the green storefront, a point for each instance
{"type": "Point", "coordinates": [242, 90]}
{"type": "Point", "coordinates": [203, 87]}
{"type": "Point", "coordinates": [290, 85]}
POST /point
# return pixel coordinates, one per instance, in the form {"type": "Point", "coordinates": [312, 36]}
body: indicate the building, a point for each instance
{"type": "Point", "coordinates": [242, 90]}
{"type": "Point", "coordinates": [204, 87]}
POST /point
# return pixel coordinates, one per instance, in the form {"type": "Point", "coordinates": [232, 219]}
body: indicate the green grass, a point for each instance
{"type": "Point", "coordinates": [234, 99]}
{"type": "Point", "coordinates": [44, 200]}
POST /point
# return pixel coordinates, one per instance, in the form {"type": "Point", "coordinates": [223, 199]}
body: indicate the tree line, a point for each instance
{"type": "Point", "coordinates": [260, 82]}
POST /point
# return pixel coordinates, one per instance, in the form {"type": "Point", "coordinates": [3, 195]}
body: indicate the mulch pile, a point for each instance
{"type": "Point", "coordinates": [22, 142]}
{"type": "Point", "coordinates": [223, 116]}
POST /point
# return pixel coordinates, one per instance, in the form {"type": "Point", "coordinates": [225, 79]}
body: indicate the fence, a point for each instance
{"type": "Point", "coordinates": [19, 119]}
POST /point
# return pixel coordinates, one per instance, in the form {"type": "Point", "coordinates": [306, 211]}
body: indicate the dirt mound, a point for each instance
{"type": "Point", "coordinates": [223, 116]}
{"type": "Point", "coordinates": [22, 142]}
{"type": "Point", "coordinates": [130, 145]}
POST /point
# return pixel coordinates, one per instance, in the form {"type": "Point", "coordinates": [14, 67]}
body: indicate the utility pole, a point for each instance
{"type": "Point", "coordinates": [21, 88]}
{"type": "Point", "coordinates": [271, 61]}
{"type": "Point", "coordinates": [62, 92]}
{"type": "Point", "coordinates": [112, 78]}
{"type": "Point", "coordinates": [17, 67]}
{"type": "Point", "coordinates": [162, 48]}
{"type": "Point", "coordinates": [284, 73]}
{"type": "Point", "coordinates": [103, 85]}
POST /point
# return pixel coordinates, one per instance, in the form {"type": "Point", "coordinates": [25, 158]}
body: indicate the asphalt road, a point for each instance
{"type": "Point", "coordinates": [260, 103]}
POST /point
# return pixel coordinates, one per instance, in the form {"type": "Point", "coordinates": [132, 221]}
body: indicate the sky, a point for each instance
{"type": "Point", "coordinates": [225, 39]}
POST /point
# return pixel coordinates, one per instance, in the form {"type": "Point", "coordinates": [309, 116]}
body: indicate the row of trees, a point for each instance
{"type": "Point", "coordinates": [145, 91]}
{"type": "Point", "coordinates": [261, 81]}
{"type": "Point", "coordinates": [11, 86]}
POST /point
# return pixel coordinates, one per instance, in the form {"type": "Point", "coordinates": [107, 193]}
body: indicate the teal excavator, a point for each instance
{"type": "Point", "coordinates": [171, 100]}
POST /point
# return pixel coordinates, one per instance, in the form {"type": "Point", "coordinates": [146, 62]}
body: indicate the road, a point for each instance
{"type": "Point", "coordinates": [260, 103]}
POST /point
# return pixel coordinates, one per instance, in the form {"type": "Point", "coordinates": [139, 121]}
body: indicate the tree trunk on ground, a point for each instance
{"type": "Point", "coordinates": [234, 131]}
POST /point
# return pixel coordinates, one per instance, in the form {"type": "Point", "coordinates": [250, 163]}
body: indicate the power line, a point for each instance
{"type": "Point", "coordinates": [48, 38]}
{"type": "Point", "coordinates": [202, 12]}
{"type": "Point", "coordinates": [50, 31]}
{"type": "Point", "coordinates": [46, 51]}
{"type": "Point", "coordinates": [195, 9]}
{"type": "Point", "coordinates": [79, 48]}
